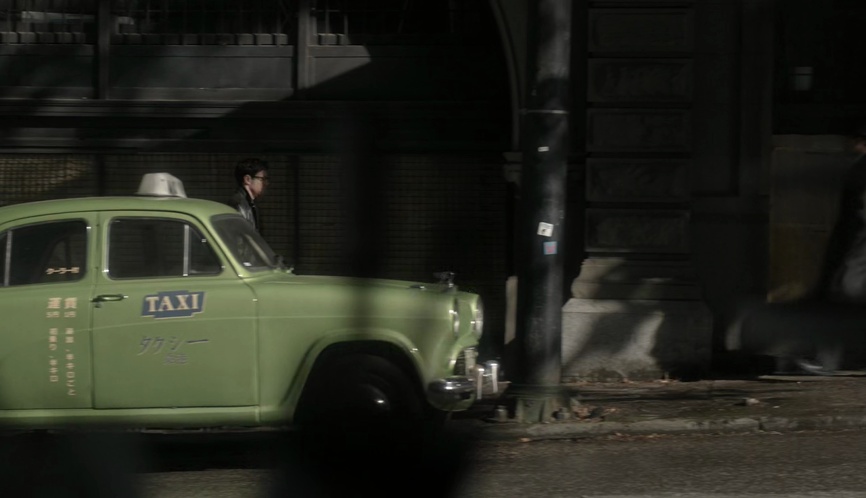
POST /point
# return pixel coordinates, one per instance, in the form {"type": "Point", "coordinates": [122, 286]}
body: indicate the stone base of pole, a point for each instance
{"type": "Point", "coordinates": [538, 404]}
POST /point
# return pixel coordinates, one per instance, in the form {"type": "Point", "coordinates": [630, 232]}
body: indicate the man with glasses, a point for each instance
{"type": "Point", "coordinates": [251, 176]}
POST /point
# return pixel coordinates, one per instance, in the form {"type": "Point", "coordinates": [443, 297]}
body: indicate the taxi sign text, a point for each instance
{"type": "Point", "coordinates": [172, 304]}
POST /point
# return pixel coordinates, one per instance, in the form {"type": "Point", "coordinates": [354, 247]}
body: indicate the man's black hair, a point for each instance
{"type": "Point", "coordinates": [249, 166]}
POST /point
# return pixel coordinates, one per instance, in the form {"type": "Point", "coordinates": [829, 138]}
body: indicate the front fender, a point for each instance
{"type": "Point", "coordinates": [377, 341]}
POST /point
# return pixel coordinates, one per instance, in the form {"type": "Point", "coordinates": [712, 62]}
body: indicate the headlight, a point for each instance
{"type": "Point", "coordinates": [478, 320]}
{"type": "Point", "coordinates": [455, 318]}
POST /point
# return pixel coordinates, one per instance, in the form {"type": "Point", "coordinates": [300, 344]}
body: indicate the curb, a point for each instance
{"type": "Point", "coordinates": [505, 431]}
{"type": "Point", "coordinates": [819, 422]}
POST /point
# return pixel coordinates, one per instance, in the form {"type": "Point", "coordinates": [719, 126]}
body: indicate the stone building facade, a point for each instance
{"type": "Point", "coordinates": [393, 128]}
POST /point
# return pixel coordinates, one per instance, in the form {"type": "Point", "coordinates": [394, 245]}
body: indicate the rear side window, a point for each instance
{"type": "Point", "coordinates": [150, 247]}
{"type": "Point", "coordinates": [43, 253]}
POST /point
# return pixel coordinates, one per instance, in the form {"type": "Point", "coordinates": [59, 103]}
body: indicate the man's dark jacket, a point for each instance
{"type": "Point", "coordinates": [245, 205]}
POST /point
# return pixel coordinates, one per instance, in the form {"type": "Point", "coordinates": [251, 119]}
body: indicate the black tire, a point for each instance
{"type": "Point", "coordinates": [360, 414]}
{"type": "Point", "coordinates": [361, 396]}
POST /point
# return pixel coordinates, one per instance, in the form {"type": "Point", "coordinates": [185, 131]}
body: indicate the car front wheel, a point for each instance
{"type": "Point", "coordinates": [361, 393]}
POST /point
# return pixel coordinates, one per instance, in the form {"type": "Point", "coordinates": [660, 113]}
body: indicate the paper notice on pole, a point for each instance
{"type": "Point", "coordinates": [545, 229]}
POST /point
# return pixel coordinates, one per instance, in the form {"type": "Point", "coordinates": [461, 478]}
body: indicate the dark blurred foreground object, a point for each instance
{"type": "Point", "coordinates": [843, 272]}
{"type": "Point", "coordinates": [816, 337]}
{"type": "Point", "coordinates": [378, 463]}
{"type": "Point", "coordinates": [71, 464]}
{"type": "Point", "coordinates": [823, 331]}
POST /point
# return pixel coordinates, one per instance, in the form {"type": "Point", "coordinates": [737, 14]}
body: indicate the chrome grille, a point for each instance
{"type": "Point", "coordinates": [465, 363]}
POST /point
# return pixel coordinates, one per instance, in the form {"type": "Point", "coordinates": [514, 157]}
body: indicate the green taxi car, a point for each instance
{"type": "Point", "coordinates": [162, 311]}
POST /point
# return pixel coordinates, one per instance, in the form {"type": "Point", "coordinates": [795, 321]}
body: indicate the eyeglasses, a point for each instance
{"type": "Point", "coordinates": [263, 179]}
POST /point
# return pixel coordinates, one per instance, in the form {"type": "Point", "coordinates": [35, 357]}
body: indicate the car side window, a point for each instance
{"type": "Point", "coordinates": [43, 253]}
{"type": "Point", "coordinates": [245, 243]}
{"type": "Point", "coordinates": [152, 247]}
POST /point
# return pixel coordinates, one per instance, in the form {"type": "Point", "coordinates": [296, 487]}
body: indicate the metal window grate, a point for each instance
{"type": "Point", "coordinates": [47, 21]}
{"type": "Point", "coordinates": [245, 22]}
{"type": "Point", "coordinates": [204, 22]}
{"type": "Point", "coordinates": [210, 176]}
{"type": "Point", "coordinates": [439, 212]}
{"type": "Point", "coordinates": [357, 22]}
{"type": "Point", "coordinates": [36, 177]}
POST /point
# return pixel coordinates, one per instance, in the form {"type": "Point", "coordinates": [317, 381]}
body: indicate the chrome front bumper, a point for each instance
{"type": "Point", "coordinates": [458, 392]}
{"type": "Point", "coordinates": [451, 391]}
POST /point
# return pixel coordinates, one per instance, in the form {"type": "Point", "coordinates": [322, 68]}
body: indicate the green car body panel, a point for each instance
{"type": "Point", "coordinates": [230, 345]}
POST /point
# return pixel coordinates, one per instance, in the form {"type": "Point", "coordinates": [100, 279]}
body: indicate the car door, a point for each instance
{"type": "Point", "coordinates": [46, 281]}
{"type": "Point", "coordinates": [172, 325]}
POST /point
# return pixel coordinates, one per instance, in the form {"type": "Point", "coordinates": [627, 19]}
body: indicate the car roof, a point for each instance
{"type": "Point", "coordinates": [199, 208]}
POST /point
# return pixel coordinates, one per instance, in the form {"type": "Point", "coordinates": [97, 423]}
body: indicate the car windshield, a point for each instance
{"type": "Point", "coordinates": [245, 244]}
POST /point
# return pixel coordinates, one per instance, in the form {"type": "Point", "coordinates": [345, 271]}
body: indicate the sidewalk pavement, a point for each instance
{"type": "Point", "coordinates": [769, 403]}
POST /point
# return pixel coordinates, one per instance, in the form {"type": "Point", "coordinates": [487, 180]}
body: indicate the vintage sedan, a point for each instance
{"type": "Point", "coordinates": [162, 311]}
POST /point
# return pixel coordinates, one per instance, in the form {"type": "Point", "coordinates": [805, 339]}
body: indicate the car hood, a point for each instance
{"type": "Point", "coordinates": [356, 282]}
{"type": "Point", "coordinates": [304, 295]}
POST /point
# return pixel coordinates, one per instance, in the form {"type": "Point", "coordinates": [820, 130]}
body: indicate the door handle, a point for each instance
{"type": "Point", "coordinates": [103, 298]}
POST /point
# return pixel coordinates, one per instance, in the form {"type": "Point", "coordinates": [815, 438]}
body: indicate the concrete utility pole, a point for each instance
{"type": "Point", "coordinates": [544, 142]}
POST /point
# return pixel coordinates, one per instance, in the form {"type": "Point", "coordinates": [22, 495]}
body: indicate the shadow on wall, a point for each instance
{"type": "Point", "coordinates": [48, 177]}
{"type": "Point", "coordinates": [636, 328]}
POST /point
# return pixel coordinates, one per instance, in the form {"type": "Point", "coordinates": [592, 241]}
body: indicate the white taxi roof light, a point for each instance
{"type": "Point", "coordinates": [161, 185]}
